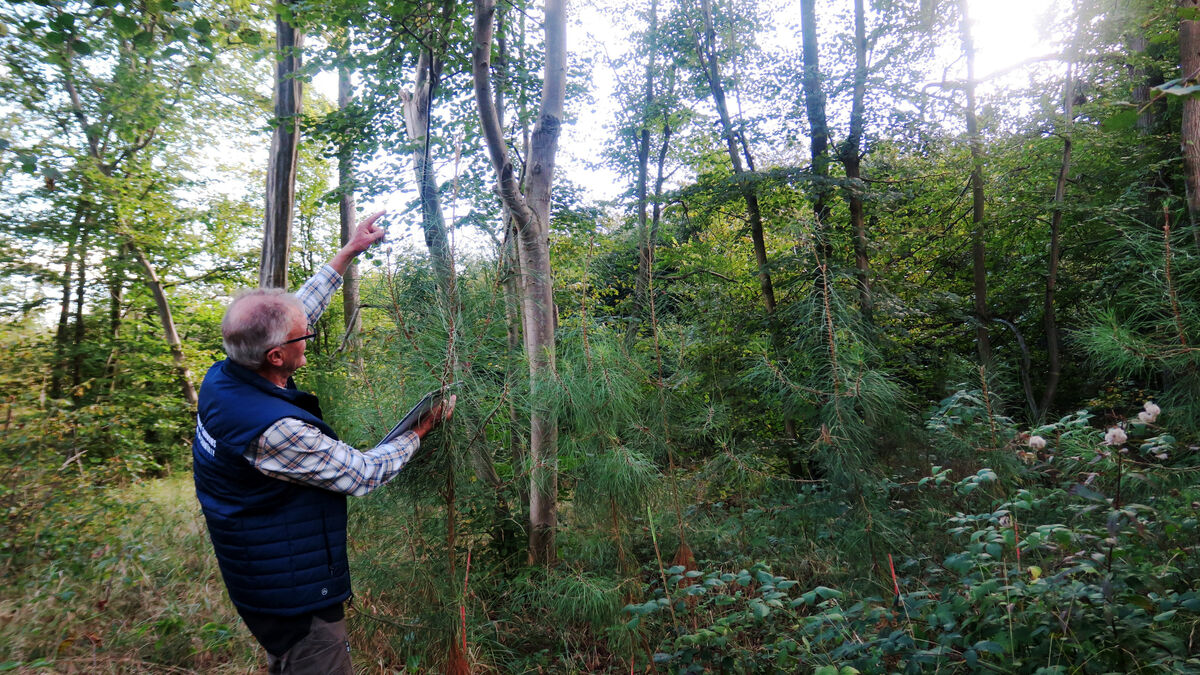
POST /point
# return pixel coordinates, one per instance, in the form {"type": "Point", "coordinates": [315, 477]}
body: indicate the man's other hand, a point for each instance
{"type": "Point", "coordinates": [441, 412]}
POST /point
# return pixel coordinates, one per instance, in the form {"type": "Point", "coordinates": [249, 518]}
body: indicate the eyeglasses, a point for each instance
{"type": "Point", "coordinates": [299, 339]}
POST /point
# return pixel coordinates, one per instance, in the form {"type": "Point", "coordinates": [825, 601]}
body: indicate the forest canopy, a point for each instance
{"type": "Point", "coordinates": [789, 337]}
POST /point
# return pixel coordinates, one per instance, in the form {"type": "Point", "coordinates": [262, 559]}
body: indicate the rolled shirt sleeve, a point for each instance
{"type": "Point", "coordinates": [298, 452]}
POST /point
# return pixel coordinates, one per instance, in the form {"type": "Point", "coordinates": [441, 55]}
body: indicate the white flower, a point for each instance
{"type": "Point", "coordinates": [1145, 417]}
{"type": "Point", "coordinates": [1037, 442]}
{"type": "Point", "coordinates": [1153, 409]}
{"type": "Point", "coordinates": [1115, 436]}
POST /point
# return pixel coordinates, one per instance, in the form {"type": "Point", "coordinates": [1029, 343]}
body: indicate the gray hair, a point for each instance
{"type": "Point", "coordinates": [257, 320]}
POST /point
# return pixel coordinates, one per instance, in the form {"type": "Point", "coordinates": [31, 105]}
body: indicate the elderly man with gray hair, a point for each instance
{"type": "Point", "coordinates": [272, 477]}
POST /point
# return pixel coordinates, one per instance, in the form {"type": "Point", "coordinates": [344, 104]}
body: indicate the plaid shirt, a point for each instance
{"type": "Point", "coordinates": [298, 452]}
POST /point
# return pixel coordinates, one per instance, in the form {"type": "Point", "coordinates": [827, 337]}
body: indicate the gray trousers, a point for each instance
{"type": "Point", "coordinates": [324, 651]}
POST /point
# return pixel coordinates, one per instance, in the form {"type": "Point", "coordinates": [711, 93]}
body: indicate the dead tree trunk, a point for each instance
{"type": "Point", "coordinates": [281, 165]}
{"type": "Point", "coordinates": [531, 214]}
{"type": "Point", "coordinates": [978, 242]}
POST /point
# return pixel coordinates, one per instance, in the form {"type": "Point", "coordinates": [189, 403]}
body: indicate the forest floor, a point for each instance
{"type": "Point", "coordinates": [125, 584]}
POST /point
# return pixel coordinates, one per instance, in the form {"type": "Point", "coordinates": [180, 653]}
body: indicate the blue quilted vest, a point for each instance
{"type": "Point", "coordinates": [281, 546]}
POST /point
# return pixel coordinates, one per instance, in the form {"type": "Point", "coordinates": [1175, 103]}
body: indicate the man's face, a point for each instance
{"type": "Point", "coordinates": [289, 357]}
{"type": "Point", "coordinates": [293, 352]}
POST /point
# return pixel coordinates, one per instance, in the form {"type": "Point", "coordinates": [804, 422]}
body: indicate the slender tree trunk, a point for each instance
{"type": "Point", "coordinates": [116, 291]}
{"type": "Point", "coordinates": [1140, 80]}
{"type": "Point", "coordinates": [645, 241]}
{"type": "Point", "coordinates": [978, 245]}
{"type": "Point", "coordinates": [852, 160]}
{"type": "Point", "coordinates": [64, 313]}
{"type": "Point", "coordinates": [1189, 56]}
{"type": "Point", "coordinates": [531, 212]}
{"type": "Point", "coordinates": [814, 104]}
{"type": "Point", "coordinates": [417, 105]}
{"type": "Point", "coordinates": [346, 211]}
{"type": "Point", "coordinates": [183, 374]}
{"type": "Point", "coordinates": [708, 58]}
{"type": "Point", "coordinates": [80, 284]}
{"type": "Point", "coordinates": [281, 166]}
{"type": "Point", "coordinates": [1053, 340]}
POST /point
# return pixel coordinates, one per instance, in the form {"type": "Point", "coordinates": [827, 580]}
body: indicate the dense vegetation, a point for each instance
{"type": "Point", "coordinates": [877, 363]}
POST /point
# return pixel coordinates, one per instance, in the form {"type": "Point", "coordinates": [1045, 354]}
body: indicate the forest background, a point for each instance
{"type": "Point", "coordinates": [875, 364]}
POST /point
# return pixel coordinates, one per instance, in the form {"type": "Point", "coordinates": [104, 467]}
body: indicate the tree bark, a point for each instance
{"type": "Point", "coordinates": [707, 50]}
{"type": "Point", "coordinates": [851, 156]}
{"type": "Point", "coordinates": [645, 241]}
{"type": "Point", "coordinates": [64, 314]}
{"type": "Point", "coordinates": [346, 212]}
{"type": "Point", "coordinates": [417, 104]}
{"type": "Point", "coordinates": [1053, 339]}
{"type": "Point", "coordinates": [978, 244]}
{"type": "Point", "coordinates": [1189, 56]}
{"type": "Point", "coordinates": [183, 374]}
{"type": "Point", "coordinates": [531, 213]}
{"type": "Point", "coordinates": [814, 104]}
{"type": "Point", "coordinates": [281, 166]}
{"type": "Point", "coordinates": [80, 284]}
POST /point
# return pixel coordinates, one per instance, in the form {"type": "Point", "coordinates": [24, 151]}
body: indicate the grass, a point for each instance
{"type": "Point", "coordinates": [133, 588]}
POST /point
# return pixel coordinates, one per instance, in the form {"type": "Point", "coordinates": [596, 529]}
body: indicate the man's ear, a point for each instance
{"type": "Point", "coordinates": [274, 357]}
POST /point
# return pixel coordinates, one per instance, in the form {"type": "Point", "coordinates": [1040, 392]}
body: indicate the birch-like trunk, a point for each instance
{"type": "Point", "coordinates": [281, 165]}
{"type": "Point", "coordinates": [531, 213]}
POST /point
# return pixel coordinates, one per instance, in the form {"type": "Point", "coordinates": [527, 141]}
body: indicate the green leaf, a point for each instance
{"type": "Point", "coordinates": [143, 39]}
{"type": "Point", "coordinates": [202, 26]}
{"type": "Point", "coordinates": [1120, 121]}
{"type": "Point", "coordinates": [250, 36]}
{"type": "Point", "coordinates": [125, 25]}
{"type": "Point", "coordinates": [826, 670]}
{"type": "Point", "coordinates": [80, 47]}
{"type": "Point", "coordinates": [1188, 13]}
{"type": "Point", "coordinates": [1165, 616]}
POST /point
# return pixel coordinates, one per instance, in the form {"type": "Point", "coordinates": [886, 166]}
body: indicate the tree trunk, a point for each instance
{"type": "Point", "coordinates": [645, 241]}
{"type": "Point", "coordinates": [417, 105]}
{"type": "Point", "coordinates": [852, 160]}
{"type": "Point", "coordinates": [80, 284]}
{"type": "Point", "coordinates": [183, 374]}
{"type": "Point", "coordinates": [978, 246]}
{"type": "Point", "coordinates": [346, 213]}
{"type": "Point", "coordinates": [64, 313]}
{"type": "Point", "coordinates": [531, 212]}
{"type": "Point", "coordinates": [708, 60]}
{"type": "Point", "coordinates": [116, 291]}
{"type": "Point", "coordinates": [281, 165]}
{"type": "Point", "coordinates": [814, 105]}
{"type": "Point", "coordinates": [1053, 341]}
{"type": "Point", "coordinates": [1189, 56]}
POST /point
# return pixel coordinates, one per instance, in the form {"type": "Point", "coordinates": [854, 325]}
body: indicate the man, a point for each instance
{"type": "Point", "coordinates": [272, 477]}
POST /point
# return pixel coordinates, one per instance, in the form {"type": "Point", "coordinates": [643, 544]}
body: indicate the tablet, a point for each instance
{"type": "Point", "coordinates": [410, 420]}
